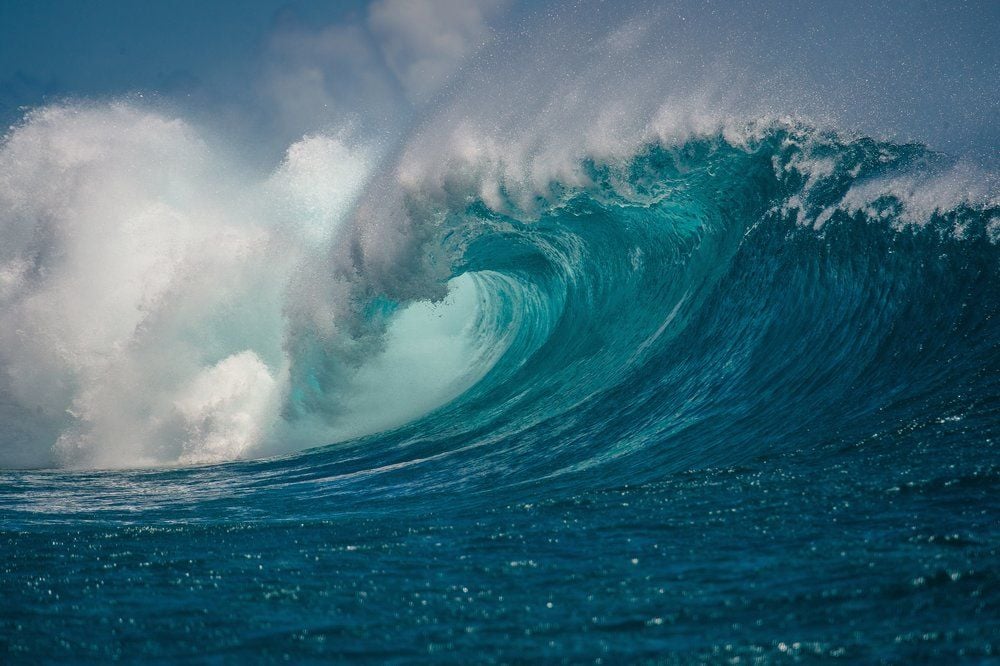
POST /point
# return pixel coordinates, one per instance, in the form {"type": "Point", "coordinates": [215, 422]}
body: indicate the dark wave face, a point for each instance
{"type": "Point", "coordinates": [731, 401]}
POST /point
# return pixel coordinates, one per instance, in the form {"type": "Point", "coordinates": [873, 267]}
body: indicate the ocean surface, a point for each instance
{"type": "Point", "coordinates": [727, 400]}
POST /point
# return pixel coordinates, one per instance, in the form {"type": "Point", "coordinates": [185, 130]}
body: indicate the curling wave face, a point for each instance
{"type": "Point", "coordinates": [704, 304]}
{"type": "Point", "coordinates": [703, 296]}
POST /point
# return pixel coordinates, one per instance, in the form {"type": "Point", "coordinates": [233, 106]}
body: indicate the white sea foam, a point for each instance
{"type": "Point", "coordinates": [144, 283]}
{"type": "Point", "coordinates": [921, 196]}
{"type": "Point", "coordinates": [127, 236]}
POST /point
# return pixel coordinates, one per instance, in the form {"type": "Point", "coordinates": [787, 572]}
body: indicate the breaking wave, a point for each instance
{"type": "Point", "coordinates": [691, 289]}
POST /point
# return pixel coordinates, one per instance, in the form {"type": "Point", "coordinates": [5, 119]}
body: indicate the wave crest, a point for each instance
{"type": "Point", "coordinates": [164, 305]}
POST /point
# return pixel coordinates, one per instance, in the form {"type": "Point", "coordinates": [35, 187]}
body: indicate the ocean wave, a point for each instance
{"type": "Point", "coordinates": [164, 305]}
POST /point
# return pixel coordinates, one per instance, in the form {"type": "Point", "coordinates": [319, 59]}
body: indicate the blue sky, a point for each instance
{"type": "Point", "coordinates": [95, 46]}
{"type": "Point", "coordinates": [70, 47]}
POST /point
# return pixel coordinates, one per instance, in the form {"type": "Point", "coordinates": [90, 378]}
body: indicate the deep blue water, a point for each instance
{"type": "Point", "coordinates": [720, 431]}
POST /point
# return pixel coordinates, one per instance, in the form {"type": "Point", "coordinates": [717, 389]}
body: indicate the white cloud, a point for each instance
{"type": "Point", "coordinates": [372, 70]}
{"type": "Point", "coordinates": [425, 41]}
{"type": "Point", "coordinates": [318, 78]}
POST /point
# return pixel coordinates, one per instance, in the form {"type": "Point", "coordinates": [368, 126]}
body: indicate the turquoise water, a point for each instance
{"type": "Point", "coordinates": [739, 401]}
